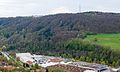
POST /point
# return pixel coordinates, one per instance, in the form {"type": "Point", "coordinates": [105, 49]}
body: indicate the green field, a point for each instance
{"type": "Point", "coordinates": [109, 40]}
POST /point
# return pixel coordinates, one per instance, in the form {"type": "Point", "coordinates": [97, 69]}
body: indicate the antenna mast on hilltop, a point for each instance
{"type": "Point", "coordinates": [79, 10]}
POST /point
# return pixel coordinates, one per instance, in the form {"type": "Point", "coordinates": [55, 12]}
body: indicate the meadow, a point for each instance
{"type": "Point", "coordinates": [108, 40]}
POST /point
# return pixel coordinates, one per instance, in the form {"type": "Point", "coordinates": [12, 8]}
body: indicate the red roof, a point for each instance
{"type": "Point", "coordinates": [29, 62]}
{"type": "Point", "coordinates": [55, 60]}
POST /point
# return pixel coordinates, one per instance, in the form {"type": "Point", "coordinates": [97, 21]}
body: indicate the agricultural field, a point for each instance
{"type": "Point", "coordinates": [109, 40]}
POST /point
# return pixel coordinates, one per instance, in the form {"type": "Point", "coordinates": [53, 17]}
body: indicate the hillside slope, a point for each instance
{"type": "Point", "coordinates": [27, 33]}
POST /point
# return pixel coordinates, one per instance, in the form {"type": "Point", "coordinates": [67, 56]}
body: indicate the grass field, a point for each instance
{"type": "Point", "coordinates": [110, 40]}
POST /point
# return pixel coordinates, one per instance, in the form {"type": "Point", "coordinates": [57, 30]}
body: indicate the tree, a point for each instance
{"type": "Point", "coordinates": [36, 66]}
{"type": "Point", "coordinates": [54, 69]}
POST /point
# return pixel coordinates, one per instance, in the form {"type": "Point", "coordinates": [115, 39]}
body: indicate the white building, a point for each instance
{"type": "Point", "coordinates": [24, 57]}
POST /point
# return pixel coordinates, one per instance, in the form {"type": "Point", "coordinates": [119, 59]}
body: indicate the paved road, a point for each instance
{"type": "Point", "coordinates": [10, 57]}
{"type": "Point", "coordinates": [6, 55]}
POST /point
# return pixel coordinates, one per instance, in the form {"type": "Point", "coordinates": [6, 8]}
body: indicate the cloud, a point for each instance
{"type": "Point", "coordinates": [60, 10]}
{"type": "Point", "coordinates": [45, 7]}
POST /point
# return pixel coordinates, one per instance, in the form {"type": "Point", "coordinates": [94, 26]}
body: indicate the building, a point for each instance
{"type": "Point", "coordinates": [24, 57]}
{"type": "Point", "coordinates": [46, 61]}
{"type": "Point", "coordinates": [91, 66]}
{"type": "Point", "coordinates": [68, 64]}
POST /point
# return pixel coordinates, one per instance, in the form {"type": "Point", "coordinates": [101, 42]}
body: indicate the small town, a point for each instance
{"type": "Point", "coordinates": [41, 63]}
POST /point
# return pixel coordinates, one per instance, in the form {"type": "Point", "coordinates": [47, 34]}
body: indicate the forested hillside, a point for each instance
{"type": "Point", "coordinates": [46, 34]}
{"type": "Point", "coordinates": [20, 32]}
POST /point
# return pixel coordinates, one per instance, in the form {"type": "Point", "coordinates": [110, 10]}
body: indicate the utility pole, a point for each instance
{"type": "Point", "coordinates": [79, 8]}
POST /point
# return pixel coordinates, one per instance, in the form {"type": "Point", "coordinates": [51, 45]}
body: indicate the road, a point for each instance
{"type": "Point", "coordinates": [11, 58]}
{"type": "Point", "coordinates": [6, 55]}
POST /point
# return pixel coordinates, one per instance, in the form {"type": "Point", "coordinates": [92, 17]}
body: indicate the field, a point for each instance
{"type": "Point", "coordinates": [109, 40]}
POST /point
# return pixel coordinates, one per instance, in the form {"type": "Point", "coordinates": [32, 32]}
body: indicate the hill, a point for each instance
{"type": "Point", "coordinates": [21, 32]}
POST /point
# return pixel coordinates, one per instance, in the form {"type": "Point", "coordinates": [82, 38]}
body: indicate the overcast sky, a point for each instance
{"type": "Point", "coordinates": [9, 8]}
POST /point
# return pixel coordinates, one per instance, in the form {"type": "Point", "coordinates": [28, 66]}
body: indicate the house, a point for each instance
{"type": "Point", "coordinates": [29, 62]}
{"type": "Point", "coordinates": [55, 60]}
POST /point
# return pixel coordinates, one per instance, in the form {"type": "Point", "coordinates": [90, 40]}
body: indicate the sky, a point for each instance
{"type": "Point", "coordinates": [12, 8]}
